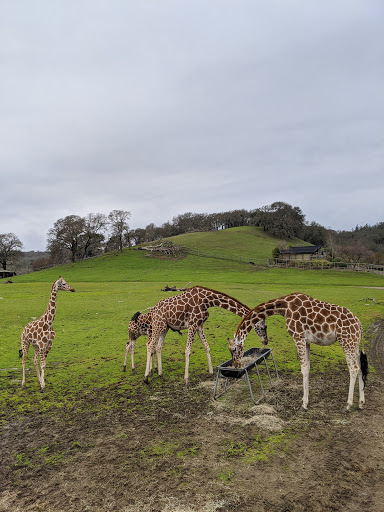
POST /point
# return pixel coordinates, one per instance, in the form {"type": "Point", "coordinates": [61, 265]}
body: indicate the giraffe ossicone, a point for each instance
{"type": "Point", "coordinates": [310, 321]}
{"type": "Point", "coordinates": [40, 334]}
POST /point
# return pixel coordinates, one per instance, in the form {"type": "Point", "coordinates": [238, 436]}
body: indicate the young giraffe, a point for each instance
{"type": "Point", "coordinates": [40, 334]}
{"type": "Point", "coordinates": [310, 321]}
{"type": "Point", "coordinates": [139, 325]}
{"type": "Point", "coordinates": [187, 311]}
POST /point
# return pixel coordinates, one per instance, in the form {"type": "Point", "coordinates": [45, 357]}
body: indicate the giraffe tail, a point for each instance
{"type": "Point", "coordinates": [20, 353]}
{"type": "Point", "coordinates": [364, 366]}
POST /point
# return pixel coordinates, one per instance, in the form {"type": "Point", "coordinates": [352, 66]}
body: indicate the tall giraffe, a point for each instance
{"type": "Point", "coordinates": [187, 311]}
{"type": "Point", "coordinates": [310, 321]}
{"type": "Point", "coordinates": [40, 334]}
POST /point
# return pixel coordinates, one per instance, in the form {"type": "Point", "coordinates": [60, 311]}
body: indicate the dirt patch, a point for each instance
{"type": "Point", "coordinates": [170, 449]}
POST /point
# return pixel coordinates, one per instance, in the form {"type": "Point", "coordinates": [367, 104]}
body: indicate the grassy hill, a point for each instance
{"type": "Point", "coordinates": [246, 242]}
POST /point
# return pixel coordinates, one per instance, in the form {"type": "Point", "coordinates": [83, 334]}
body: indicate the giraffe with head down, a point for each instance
{"type": "Point", "coordinates": [40, 334]}
{"type": "Point", "coordinates": [310, 321]}
{"type": "Point", "coordinates": [189, 310]}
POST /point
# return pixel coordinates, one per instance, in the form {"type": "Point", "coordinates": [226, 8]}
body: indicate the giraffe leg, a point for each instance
{"type": "Point", "coordinates": [353, 361]}
{"type": "Point", "coordinates": [159, 348]}
{"type": "Point", "coordinates": [159, 362]}
{"type": "Point", "coordinates": [200, 331]}
{"type": "Point", "coordinates": [353, 372]}
{"type": "Point", "coordinates": [151, 348]}
{"type": "Point", "coordinates": [36, 363]}
{"type": "Point", "coordinates": [361, 383]}
{"type": "Point", "coordinates": [149, 361]}
{"type": "Point", "coordinates": [188, 348]}
{"type": "Point", "coordinates": [133, 357]}
{"type": "Point", "coordinates": [43, 361]}
{"type": "Point", "coordinates": [127, 348]}
{"type": "Point", "coordinates": [303, 349]}
{"type": "Point", "coordinates": [24, 363]}
{"type": "Point", "coordinates": [154, 363]}
{"type": "Point", "coordinates": [48, 339]}
{"type": "Point", "coordinates": [305, 371]}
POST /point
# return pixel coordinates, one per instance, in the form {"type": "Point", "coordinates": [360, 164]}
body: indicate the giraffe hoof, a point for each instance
{"type": "Point", "coordinates": [124, 368]}
{"type": "Point", "coordinates": [146, 380]}
{"type": "Point", "coordinates": [133, 371]}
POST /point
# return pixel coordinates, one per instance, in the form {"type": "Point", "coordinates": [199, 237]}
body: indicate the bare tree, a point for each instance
{"type": "Point", "coordinates": [10, 246]}
{"type": "Point", "coordinates": [65, 237]}
{"type": "Point", "coordinates": [93, 237]}
{"type": "Point", "coordinates": [119, 227]}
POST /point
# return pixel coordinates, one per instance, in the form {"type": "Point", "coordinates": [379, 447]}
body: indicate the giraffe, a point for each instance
{"type": "Point", "coordinates": [40, 334]}
{"type": "Point", "coordinates": [187, 311]}
{"type": "Point", "coordinates": [310, 321]}
{"type": "Point", "coordinates": [139, 325]}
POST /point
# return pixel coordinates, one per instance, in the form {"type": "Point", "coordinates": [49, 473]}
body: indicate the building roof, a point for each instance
{"type": "Point", "coordinates": [309, 249]}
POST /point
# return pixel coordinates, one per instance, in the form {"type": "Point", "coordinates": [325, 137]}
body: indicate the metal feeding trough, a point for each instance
{"type": "Point", "coordinates": [256, 356]}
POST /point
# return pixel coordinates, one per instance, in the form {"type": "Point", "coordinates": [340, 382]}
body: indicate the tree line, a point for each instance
{"type": "Point", "coordinates": [74, 238]}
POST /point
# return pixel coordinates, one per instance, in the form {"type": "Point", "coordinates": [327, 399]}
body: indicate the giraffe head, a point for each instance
{"type": "Point", "coordinates": [236, 345]}
{"type": "Point", "coordinates": [236, 348]}
{"type": "Point", "coordinates": [139, 324]}
{"type": "Point", "coordinates": [133, 327]}
{"type": "Point", "coordinates": [63, 285]}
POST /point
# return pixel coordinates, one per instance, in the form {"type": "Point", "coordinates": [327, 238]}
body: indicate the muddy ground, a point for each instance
{"type": "Point", "coordinates": [168, 449]}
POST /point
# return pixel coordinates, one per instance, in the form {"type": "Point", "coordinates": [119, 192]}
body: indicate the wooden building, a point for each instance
{"type": "Point", "coordinates": [305, 253]}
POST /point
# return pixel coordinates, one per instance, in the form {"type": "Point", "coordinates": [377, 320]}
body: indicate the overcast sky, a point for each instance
{"type": "Point", "coordinates": [162, 107]}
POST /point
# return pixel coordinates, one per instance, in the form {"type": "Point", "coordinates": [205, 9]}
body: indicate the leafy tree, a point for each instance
{"type": "Point", "coordinates": [280, 219]}
{"type": "Point", "coordinates": [10, 249]}
{"type": "Point", "coordinates": [315, 234]}
{"type": "Point", "coordinates": [152, 233]}
{"type": "Point", "coordinates": [138, 236]}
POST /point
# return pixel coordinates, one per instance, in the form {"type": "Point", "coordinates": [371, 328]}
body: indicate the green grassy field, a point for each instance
{"type": "Point", "coordinates": [91, 324]}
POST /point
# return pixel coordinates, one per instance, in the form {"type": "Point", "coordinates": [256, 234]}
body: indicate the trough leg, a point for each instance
{"type": "Point", "coordinates": [274, 364]}
{"type": "Point", "coordinates": [269, 375]}
{"type": "Point", "coordinates": [249, 385]}
{"type": "Point", "coordinates": [258, 376]}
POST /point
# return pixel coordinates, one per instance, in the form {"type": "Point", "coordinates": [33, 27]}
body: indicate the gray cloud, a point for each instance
{"type": "Point", "coordinates": [166, 107]}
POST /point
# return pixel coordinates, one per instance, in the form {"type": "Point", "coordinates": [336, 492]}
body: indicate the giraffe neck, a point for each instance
{"type": "Point", "coordinates": [221, 300]}
{"type": "Point", "coordinates": [50, 312]}
{"type": "Point", "coordinates": [274, 307]}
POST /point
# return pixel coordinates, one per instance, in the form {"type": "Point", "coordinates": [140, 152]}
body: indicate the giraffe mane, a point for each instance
{"type": "Point", "coordinates": [135, 317]}
{"type": "Point", "coordinates": [221, 293]}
